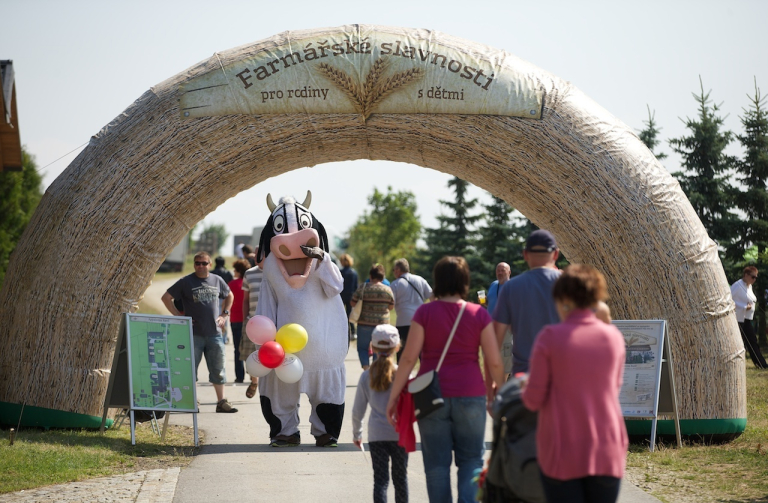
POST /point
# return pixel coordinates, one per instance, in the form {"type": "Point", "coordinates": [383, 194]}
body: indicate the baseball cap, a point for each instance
{"type": "Point", "coordinates": [541, 241]}
{"type": "Point", "coordinates": [385, 337]}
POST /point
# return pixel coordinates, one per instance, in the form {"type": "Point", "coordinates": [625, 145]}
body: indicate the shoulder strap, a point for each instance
{"type": "Point", "coordinates": [450, 337]}
{"type": "Point", "coordinates": [414, 287]}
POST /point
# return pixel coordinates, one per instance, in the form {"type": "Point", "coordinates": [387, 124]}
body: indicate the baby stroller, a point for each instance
{"type": "Point", "coordinates": [513, 472]}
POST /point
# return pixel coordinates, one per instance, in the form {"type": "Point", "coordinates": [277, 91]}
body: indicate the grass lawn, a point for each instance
{"type": "Point", "coordinates": [732, 472]}
{"type": "Point", "coordinates": [39, 458]}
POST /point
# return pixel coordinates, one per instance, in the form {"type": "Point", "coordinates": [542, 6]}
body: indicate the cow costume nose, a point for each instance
{"type": "Point", "coordinates": [285, 251]}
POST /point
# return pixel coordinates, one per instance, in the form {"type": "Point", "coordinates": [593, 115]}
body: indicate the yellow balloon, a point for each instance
{"type": "Point", "coordinates": [292, 337]}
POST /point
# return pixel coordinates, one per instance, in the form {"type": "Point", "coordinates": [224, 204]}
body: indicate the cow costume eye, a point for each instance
{"type": "Point", "coordinates": [278, 224]}
{"type": "Point", "coordinates": [305, 221]}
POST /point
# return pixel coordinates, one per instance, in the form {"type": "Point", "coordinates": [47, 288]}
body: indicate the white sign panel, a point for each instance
{"type": "Point", "coordinates": [642, 368]}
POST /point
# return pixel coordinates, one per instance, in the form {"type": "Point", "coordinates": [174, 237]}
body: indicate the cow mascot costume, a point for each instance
{"type": "Point", "coordinates": [302, 285]}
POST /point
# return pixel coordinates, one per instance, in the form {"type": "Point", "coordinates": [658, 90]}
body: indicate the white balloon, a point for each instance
{"type": "Point", "coordinates": [291, 370]}
{"type": "Point", "coordinates": [254, 367]}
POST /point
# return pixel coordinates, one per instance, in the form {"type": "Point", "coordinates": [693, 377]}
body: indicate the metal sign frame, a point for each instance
{"type": "Point", "coordinates": [648, 348]}
{"type": "Point", "coordinates": [120, 392]}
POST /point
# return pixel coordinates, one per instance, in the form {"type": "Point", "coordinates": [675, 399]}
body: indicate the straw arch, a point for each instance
{"type": "Point", "coordinates": [145, 179]}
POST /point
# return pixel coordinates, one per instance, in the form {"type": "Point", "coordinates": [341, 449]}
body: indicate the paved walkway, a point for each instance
{"type": "Point", "coordinates": [152, 486]}
{"type": "Point", "coordinates": [236, 464]}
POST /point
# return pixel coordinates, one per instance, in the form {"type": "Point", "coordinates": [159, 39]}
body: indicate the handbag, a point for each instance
{"type": "Point", "coordinates": [354, 314]}
{"type": "Point", "coordinates": [427, 396]}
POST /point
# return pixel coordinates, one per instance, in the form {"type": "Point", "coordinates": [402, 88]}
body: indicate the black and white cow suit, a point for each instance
{"type": "Point", "coordinates": [302, 285]}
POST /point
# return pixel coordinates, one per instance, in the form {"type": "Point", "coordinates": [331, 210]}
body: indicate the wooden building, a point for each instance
{"type": "Point", "coordinates": [10, 141]}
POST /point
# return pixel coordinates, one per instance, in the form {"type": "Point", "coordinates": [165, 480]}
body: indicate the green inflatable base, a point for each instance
{"type": "Point", "coordinates": [40, 417]}
{"type": "Point", "coordinates": [714, 429]}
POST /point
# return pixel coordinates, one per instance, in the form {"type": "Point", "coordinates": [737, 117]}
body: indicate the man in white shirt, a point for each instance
{"type": "Point", "coordinates": [410, 292]}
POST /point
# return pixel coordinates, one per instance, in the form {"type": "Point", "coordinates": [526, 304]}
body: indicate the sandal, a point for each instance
{"type": "Point", "coordinates": [251, 391]}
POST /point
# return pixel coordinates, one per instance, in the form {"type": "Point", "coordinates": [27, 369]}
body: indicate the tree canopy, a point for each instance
{"type": "Point", "coordinates": [387, 231]}
{"type": "Point", "coordinates": [20, 192]}
{"type": "Point", "coordinates": [706, 169]}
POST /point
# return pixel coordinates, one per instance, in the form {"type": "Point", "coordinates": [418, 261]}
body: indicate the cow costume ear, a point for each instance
{"type": "Point", "coordinates": [321, 233]}
{"type": "Point", "coordinates": [266, 236]}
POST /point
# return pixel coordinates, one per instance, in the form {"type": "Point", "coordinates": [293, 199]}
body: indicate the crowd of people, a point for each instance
{"type": "Point", "coordinates": [549, 328]}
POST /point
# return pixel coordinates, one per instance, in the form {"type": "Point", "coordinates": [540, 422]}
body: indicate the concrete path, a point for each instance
{"type": "Point", "coordinates": [236, 463]}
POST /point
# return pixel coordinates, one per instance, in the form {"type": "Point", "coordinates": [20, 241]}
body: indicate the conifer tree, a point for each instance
{"type": "Point", "coordinates": [650, 134]}
{"type": "Point", "coordinates": [455, 235]}
{"type": "Point", "coordinates": [502, 239]}
{"type": "Point", "coordinates": [752, 172]}
{"type": "Point", "coordinates": [706, 168]}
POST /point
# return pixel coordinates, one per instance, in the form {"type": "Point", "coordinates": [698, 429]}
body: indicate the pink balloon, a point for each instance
{"type": "Point", "coordinates": [260, 330]}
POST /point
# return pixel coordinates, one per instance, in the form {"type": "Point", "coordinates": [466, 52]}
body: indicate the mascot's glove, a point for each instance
{"type": "Point", "coordinates": [313, 251]}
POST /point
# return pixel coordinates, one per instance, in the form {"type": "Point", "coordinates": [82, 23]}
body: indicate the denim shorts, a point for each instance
{"type": "Point", "coordinates": [213, 349]}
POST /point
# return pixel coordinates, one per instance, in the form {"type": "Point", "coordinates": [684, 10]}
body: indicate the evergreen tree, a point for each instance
{"type": "Point", "coordinates": [502, 239]}
{"type": "Point", "coordinates": [20, 193]}
{"type": "Point", "coordinates": [752, 172]}
{"type": "Point", "coordinates": [461, 221]}
{"type": "Point", "coordinates": [650, 134]}
{"type": "Point", "coordinates": [706, 169]}
{"type": "Point", "coordinates": [454, 236]}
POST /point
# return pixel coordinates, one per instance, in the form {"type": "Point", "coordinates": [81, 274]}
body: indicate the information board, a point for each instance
{"type": "Point", "coordinates": [648, 387]}
{"type": "Point", "coordinates": [642, 367]}
{"type": "Point", "coordinates": [161, 362]}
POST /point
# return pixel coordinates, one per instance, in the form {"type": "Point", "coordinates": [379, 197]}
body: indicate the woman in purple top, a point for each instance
{"type": "Point", "coordinates": [458, 428]}
{"type": "Point", "coordinates": [576, 372]}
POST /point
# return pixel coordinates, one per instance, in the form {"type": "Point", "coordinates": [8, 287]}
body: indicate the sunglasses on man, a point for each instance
{"type": "Point", "coordinates": [201, 263]}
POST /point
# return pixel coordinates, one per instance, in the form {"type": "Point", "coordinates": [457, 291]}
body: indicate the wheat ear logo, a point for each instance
{"type": "Point", "coordinates": [374, 89]}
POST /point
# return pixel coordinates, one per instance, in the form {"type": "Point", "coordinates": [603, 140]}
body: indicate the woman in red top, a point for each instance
{"type": "Point", "coordinates": [457, 428]}
{"type": "Point", "coordinates": [576, 370]}
{"type": "Point", "coordinates": [236, 316]}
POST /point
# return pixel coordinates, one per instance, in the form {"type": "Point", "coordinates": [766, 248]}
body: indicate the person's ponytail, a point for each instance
{"type": "Point", "coordinates": [382, 371]}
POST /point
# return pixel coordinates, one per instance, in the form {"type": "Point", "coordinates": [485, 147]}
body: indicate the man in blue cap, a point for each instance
{"type": "Point", "coordinates": [525, 302]}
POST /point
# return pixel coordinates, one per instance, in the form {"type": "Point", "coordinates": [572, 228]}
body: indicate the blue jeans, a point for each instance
{"type": "Point", "coordinates": [587, 489]}
{"type": "Point", "coordinates": [458, 428]}
{"type": "Point", "coordinates": [364, 333]}
{"type": "Point", "coordinates": [213, 348]}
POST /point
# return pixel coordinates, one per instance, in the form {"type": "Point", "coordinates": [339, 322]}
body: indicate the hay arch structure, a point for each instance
{"type": "Point", "coordinates": [105, 225]}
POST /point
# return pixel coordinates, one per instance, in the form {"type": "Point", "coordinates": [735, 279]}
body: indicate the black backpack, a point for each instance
{"type": "Point", "coordinates": [513, 472]}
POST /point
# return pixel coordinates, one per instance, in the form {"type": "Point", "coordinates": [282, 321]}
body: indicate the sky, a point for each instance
{"type": "Point", "coordinates": [79, 64]}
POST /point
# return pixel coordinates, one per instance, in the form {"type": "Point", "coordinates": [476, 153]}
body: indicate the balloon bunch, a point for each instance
{"type": "Point", "coordinates": [276, 349]}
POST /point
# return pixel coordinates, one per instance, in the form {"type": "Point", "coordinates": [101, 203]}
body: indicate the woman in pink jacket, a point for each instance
{"type": "Point", "coordinates": [575, 377]}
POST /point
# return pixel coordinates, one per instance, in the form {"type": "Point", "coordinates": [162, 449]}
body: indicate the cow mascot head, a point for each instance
{"type": "Point", "coordinates": [295, 236]}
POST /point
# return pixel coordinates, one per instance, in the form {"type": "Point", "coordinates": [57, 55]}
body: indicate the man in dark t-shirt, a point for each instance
{"type": "Point", "coordinates": [525, 302]}
{"type": "Point", "coordinates": [200, 294]}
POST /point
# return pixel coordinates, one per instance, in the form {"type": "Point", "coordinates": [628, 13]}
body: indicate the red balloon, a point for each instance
{"type": "Point", "coordinates": [271, 354]}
